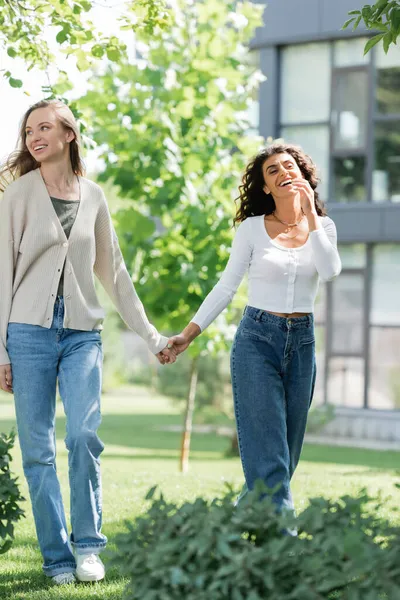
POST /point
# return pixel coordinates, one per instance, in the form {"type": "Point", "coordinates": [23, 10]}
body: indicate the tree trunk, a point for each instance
{"type": "Point", "coordinates": [187, 430]}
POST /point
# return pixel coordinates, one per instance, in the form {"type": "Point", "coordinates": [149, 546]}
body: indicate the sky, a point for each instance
{"type": "Point", "coordinates": [14, 101]}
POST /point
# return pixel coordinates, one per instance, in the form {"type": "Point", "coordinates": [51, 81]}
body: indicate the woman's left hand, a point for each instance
{"type": "Point", "coordinates": [307, 199]}
{"type": "Point", "coordinates": [167, 356]}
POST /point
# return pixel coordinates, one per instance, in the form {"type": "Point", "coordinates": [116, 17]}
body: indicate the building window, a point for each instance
{"type": "Point", "coordinates": [305, 92]}
{"type": "Point", "coordinates": [387, 80]}
{"type": "Point", "coordinates": [385, 294]}
{"type": "Point", "coordinates": [345, 351]}
{"type": "Point", "coordinates": [350, 53]}
{"type": "Point", "coordinates": [327, 111]}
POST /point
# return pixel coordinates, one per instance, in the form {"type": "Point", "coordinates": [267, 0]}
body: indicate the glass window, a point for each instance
{"type": "Point", "coordinates": [385, 301]}
{"type": "Point", "coordinates": [350, 109]}
{"type": "Point", "coordinates": [389, 60]}
{"type": "Point", "coordinates": [384, 383]}
{"type": "Point", "coordinates": [353, 256]}
{"type": "Point", "coordinates": [306, 91]}
{"type": "Point", "coordinates": [349, 179]}
{"type": "Point", "coordinates": [314, 139]}
{"type": "Point", "coordinates": [388, 80]}
{"type": "Point", "coordinates": [348, 314]}
{"type": "Point", "coordinates": [350, 53]}
{"type": "Point", "coordinates": [386, 175]}
{"type": "Point", "coordinates": [346, 382]}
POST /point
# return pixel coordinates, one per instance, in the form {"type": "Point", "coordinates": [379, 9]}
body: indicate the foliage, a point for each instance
{"type": "Point", "coordinates": [10, 496]}
{"type": "Point", "coordinates": [173, 133]}
{"type": "Point", "coordinates": [203, 550]}
{"type": "Point", "coordinates": [383, 16]}
{"type": "Point", "coordinates": [319, 416]}
{"type": "Point", "coordinates": [210, 387]}
{"type": "Point", "coordinates": [22, 24]}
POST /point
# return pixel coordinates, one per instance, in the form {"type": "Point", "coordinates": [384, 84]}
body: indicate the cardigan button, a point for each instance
{"type": "Point", "coordinates": [65, 244]}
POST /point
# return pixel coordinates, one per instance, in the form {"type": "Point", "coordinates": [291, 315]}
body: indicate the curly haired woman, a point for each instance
{"type": "Point", "coordinates": [287, 244]}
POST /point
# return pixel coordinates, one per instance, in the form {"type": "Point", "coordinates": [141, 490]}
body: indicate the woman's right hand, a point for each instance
{"type": "Point", "coordinates": [178, 343]}
{"type": "Point", "coordinates": [6, 378]}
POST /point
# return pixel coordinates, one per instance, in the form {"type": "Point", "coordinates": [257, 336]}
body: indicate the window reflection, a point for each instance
{"type": "Point", "coordinates": [349, 179]}
{"type": "Point", "coordinates": [305, 90]}
{"type": "Point", "coordinates": [384, 383]}
{"type": "Point", "coordinates": [386, 176]}
{"type": "Point", "coordinates": [350, 109]}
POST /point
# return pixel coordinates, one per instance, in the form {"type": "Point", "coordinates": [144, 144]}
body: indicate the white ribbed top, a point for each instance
{"type": "Point", "coordinates": [283, 280]}
{"type": "Point", "coordinates": [34, 248]}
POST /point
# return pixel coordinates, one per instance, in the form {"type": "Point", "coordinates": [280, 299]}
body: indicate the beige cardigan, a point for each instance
{"type": "Point", "coordinates": [33, 249]}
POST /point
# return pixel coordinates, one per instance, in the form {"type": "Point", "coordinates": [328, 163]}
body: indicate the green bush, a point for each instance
{"type": "Point", "coordinates": [10, 496]}
{"type": "Point", "coordinates": [216, 551]}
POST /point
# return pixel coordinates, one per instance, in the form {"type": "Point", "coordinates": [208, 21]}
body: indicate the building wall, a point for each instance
{"type": "Point", "coordinates": [358, 316]}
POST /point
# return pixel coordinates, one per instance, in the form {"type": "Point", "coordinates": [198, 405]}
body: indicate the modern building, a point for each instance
{"type": "Point", "coordinates": [344, 109]}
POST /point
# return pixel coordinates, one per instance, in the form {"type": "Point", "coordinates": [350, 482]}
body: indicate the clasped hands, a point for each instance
{"type": "Point", "coordinates": [178, 344]}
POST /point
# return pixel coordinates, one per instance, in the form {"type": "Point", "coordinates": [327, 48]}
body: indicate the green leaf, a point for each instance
{"type": "Point", "coordinates": [61, 36]}
{"type": "Point", "coordinates": [12, 52]}
{"type": "Point", "coordinates": [357, 22]}
{"type": "Point", "coordinates": [387, 40]}
{"type": "Point", "coordinates": [113, 53]}
{"type": "Point", "coordinates": [396, 21]}
{"type": "Point", "coordinates": [347, 23]}
{"type": "Point", "coordinates": [372, 42]}
{"type": "Point", "coordinates": [86, 5]}
{"type": "Point", "coordinates": [98, 50]}
{"type": "Point", "coordinates": [15, 83]}
{"type": "Point", "coordinates": [151, 492]}
{"type": "Point", "coordinates": [380, 26]}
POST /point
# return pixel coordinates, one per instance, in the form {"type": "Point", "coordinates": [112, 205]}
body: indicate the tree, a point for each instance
{"type": "Point", "coordinates": [23, 21]}
{"type": "Point", "coordinates": [173, 129]}
{"type": "Point", "coordinates": [383, 16]}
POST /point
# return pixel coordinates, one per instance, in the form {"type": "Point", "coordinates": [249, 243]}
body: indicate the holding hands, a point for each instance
{"type": "Point", "coordinates": [178, 344]}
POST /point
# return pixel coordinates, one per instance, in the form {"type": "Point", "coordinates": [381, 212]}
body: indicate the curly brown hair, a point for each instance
{"type": "Point", "coordinates": [252, 198]}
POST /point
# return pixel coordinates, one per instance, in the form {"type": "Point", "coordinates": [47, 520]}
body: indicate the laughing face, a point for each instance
{"type": "Point", "coordinates": [45, 136]}
{"type": "Point", "coordinates": [280, 171]}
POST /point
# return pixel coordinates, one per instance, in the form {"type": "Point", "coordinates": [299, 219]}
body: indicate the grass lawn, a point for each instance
{"type": "Point", "coordinates": [139, 454]}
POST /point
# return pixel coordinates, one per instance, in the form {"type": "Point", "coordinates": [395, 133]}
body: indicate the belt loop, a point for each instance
{"type": "Point", "coordinates": [259, 315]}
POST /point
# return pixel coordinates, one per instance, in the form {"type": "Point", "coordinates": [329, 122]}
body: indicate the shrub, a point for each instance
{"type": "Point", "coordinates": [216, 551]}
{"type": "Point", "coordinates": [10, 495]}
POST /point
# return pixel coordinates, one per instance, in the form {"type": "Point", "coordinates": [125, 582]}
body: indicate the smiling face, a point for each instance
{"type": "Point", "coordinates": [279, 170]}
{"type": "Point", "coordinates": [45, 136]}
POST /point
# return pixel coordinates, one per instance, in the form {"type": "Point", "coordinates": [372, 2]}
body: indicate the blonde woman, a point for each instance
{"type": "Point", "coordinates": [56, 233]}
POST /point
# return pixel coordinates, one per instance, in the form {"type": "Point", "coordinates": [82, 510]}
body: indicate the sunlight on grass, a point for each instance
{"type": "Point", "coordinates": [140, 452]}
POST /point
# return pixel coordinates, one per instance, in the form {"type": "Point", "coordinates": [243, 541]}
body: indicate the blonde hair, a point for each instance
{"type": "Point", "coordinates": [21, 161]}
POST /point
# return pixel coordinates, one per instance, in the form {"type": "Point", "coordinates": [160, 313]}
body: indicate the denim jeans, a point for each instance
{"type": "Point", "coordinates": [273, 376]}
{"type": "Point", "coordinates": [39, 357]}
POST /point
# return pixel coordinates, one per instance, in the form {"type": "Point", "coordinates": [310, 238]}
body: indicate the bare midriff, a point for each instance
{"type": "Point", "coordinates": [287, 315]}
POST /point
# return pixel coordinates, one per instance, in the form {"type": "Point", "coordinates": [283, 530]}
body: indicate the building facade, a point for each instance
{"type": "Point", "coordinates": [344, 109]}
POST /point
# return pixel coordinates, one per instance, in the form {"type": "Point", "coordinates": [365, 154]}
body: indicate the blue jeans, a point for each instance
{"type": "Point", "coordinates": [39, 357]}
{"type": "Point", "coordinates": [273, 376]}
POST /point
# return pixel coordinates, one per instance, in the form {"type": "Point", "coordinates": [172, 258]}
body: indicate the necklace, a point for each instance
{"type": "Point", "coordinates": [289, 224]}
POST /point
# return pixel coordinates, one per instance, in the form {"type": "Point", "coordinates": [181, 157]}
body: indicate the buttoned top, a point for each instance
{"type": "Point", "coordinates": [34, 250]}
{"type": "Point", "coordinates": [281, 279]}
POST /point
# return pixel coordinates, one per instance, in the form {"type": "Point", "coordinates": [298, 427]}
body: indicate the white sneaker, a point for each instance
{"type": "Point", "coordinates": [89, 567]}
{"type": "Point", "coordinates": [63, 578]}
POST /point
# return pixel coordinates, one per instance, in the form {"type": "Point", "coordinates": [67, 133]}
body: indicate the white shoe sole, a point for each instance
{"type": "Point", "coordinates": [89, 578]}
